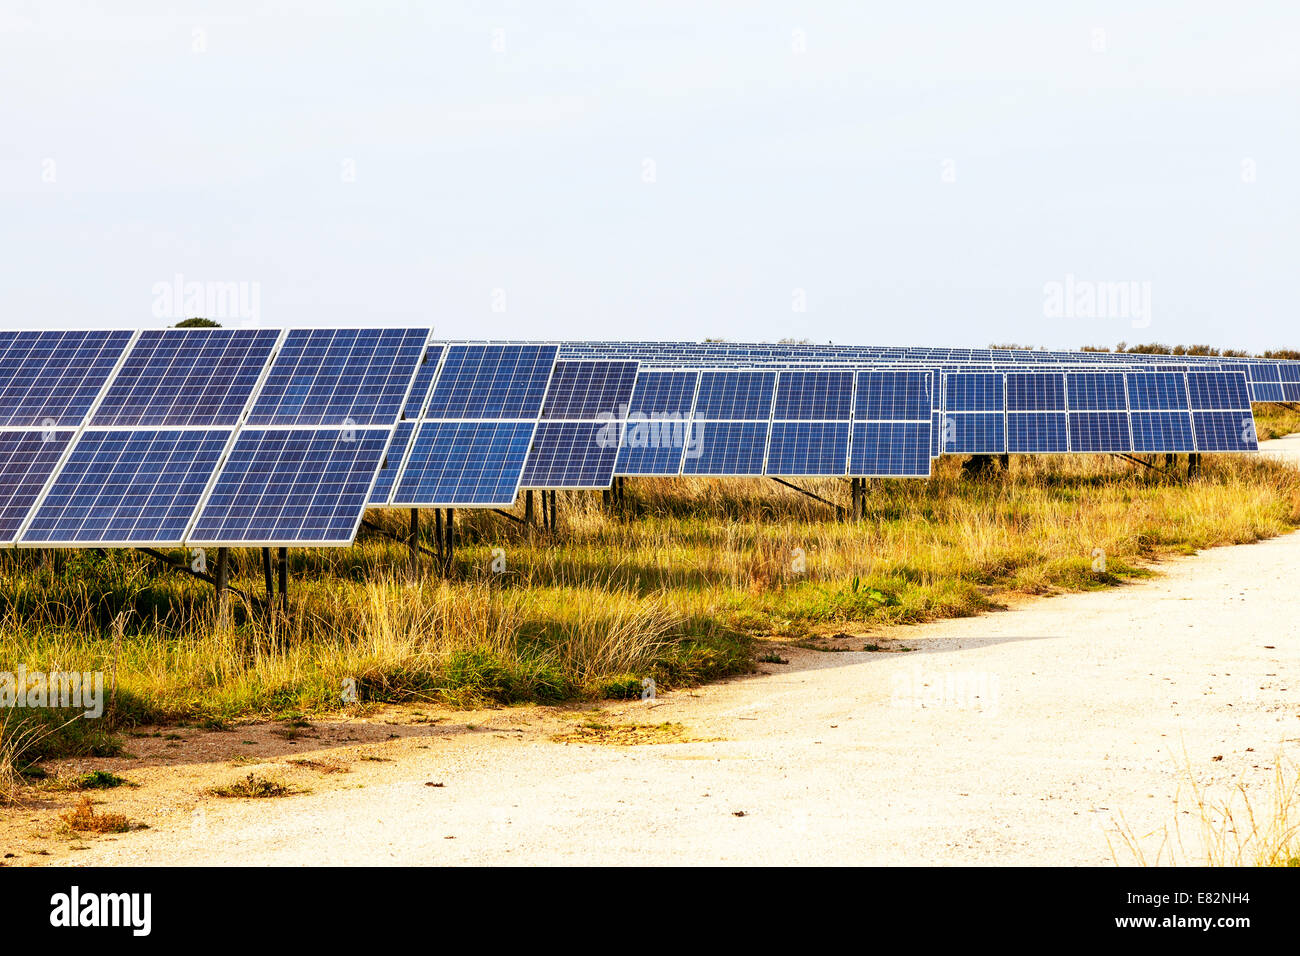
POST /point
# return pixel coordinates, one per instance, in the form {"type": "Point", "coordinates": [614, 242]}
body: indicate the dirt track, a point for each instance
{"type": "Point", "coordinates": [1017, 737]}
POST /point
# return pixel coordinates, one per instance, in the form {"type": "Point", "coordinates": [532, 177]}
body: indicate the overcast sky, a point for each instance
{"type": "Point", "coordinates": [849, 172]}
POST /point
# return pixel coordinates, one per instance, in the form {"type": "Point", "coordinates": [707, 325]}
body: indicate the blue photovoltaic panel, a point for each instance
{"type": "Point", "coordinates": [1266, 392]}
{"type": "Point", "coordinates": [1289, 372]}
{"type": "Point", "coordinates": [27, 459]}
{"type": "Point", "coordinates": [1035, 392]}
{"type": "Point", "coordinates": [572, 455]}
{"type": "Point", "coordinates": [1217, 390]}
{"type": "Point", "coordinates": [306, 485]}
{"type": "Point", "coordinates": [128, 487]}
{"type": "Point", "coordinates": [392, 463]}
{"type": "Point", "coordinates": [1099, 432]}
{"type": "Point", "coordinates": [1157, 391]}
{"type": "Point", "coordinates": [890, 448]}
{"type": "Point", "coordinates": [455, 464]}
{"type": "Point", "coordinates": [651, 447]}
{"type": "Point", "coordinates": [809, 448]}
{"type": "Point", "coordinates": [974, 392]}
{"type": "Point", "coordinates": [1037, 432]}
{"type": "Point", "coordinates": [1291, 391]}
{"type": "Point", "coordinates": [1096, 391]}
{"type": "Point", "coordinates": [974, 433]}
{"type": "Point", "coordinates": [492, 381]}
{"type": "Point", "coordinates": [1165, 431]}
{"type": "Point", "coordinates": [664, 393]}
{"type": "Point", "coordinates": [818, 395]}
{"type": "Point", "coordinates": [52, 378]}
{"type": "Point", "coordinates": [423, 379]}
{"type": "Point", "coordinates": [187, 378]}
{"type": "Point", "coordinates": [340, 377]}
{"type": "Point", "coordinates": [588, 390]}
{"type": "Point", "coordinates": [894, 396]}
{"type": "Point", "coordinates": [936, 432]}
{"type": "Point", "coordinates": [735, 395]}
{"type": "Point", "coordinates": [1225, 431]}
{"type": "Point", "coordinates": [728, 448]}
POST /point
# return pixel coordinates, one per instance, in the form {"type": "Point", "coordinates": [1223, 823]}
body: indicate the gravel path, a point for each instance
{"type": "Point", "coordinates": [1020, 737]}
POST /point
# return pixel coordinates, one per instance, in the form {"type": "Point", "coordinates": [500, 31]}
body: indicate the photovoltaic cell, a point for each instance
{"type": "Point", "coordinates": [27, 459]}
{"type": "Point", "coordinates": [654, 447]}
{"type": "Point", "coordinates": [1037, 432]}
{"type": "Point", "coordinates": [492, 382]}
{"type": "Point", "coordinates": [974, 433]}
{"type": "Point", "coordinates": [589, 390]}
{"type": "Point", "coordinates": [894, 396]}
{"type": "Point", "coordinates": [392, 464]}
{"type": "Point", "coordinates": [1157, 391]}
{"type": "Point", "coordinates": [307, 485]}
{"type": "Point", "coordinates": [1217, 390]}
{"type": "Point", "coordinates": [572, 455]}
{"type": "Point", "coordinates": [809, 448]}
{"type": "Point", "coordinates": [1162, 431]}
{"type": "Point", "coordinates": [974, 392]}
{"type": "Point", "coordinates": [1225, 431]}
{"type": "Point", "coordinates": [883, 449]}
{"type": "Point", "coordinates": [340, 377]}
{"type": "Point", "coordinates": [193, 378]}
{"type": "Point", "coordinates": [735, 395]}
{"type": "Point", "coordinates": [664, 394]}
{"type": "Point", "coordinates": [728, 448]}
{"type": "Point", "coordinates": [128, 487]}
{"type": "Point", "coordinates": [1035, 392]}
{"type": "Point", "coordinates": [814, 396]}
{"type": "Point", "coordinates": [454, 464]}
{"type": "Point", "coordinates": [50, 379]}
{"type": "Point", "coordinates": [423, 379]}
{"type": "Point", "coordinates": [1099, 432]}
{"type": "Point", "coordinates": [1096, 391]}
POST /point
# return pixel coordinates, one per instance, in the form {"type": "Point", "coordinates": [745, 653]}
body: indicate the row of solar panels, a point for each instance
{"type": "Point", "coordinates": [209, 437]}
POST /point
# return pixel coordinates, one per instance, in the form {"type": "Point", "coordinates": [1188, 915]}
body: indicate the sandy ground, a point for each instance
{"type": "Point", "coordinates": [1039, 735]}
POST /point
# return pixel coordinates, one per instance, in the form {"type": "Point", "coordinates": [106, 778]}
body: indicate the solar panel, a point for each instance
{"type": "Point", "coordinates": [27, 459]}
{"type": "Point", "coordinates": [392, 464]}
{"type": "Point", "coordinates": [589, 390]}
{"type": "Point", "coordinates": [340, 377]}
{"type": "Point", "coordinates": [463, 464]}
{"type": "Point", "coordinates": [1035, 392]}
{"type": "Point", "coordinates": [735, 395]}
{"type": "Point", "coordinates": [128, 488]}
{"type": "Point", "coordinates": [883, 449]}
{"type": "Point", "coordinates": [191, 378]}
{"type": "Point", "coordinates": [808, 448]}
{"type": "Point", "coordinates": [814, 396]}
{"type": "Point", "coordinates": [893, 396]}
{"type": "Point", "coordinates": [664, 395]}
{"type": "Point", "coordinates": [1037, 432]}
{"type": "Point", "coordinates": [492, 382]}
{"type": "Point", "coordinates": [50, 379]}
{"type": "Point", "coordinates": [572, 455]}
{"type": "Point", "coordinates": [974, 392]}
{"type": "Point", "coordinates": [1225, 431]}
{"type": "Point", "coordinates": [1217, 390]}
{"type": "Point", "coordinates": [1096, 391]}
{"type": "Point", "coordinates": [727, 448]}
{"type": "Point", "coordinates": [1162, 431]}
{"type": "Point", "coordinates": [1100, 431]}
{"type": "Point", "coordinates": [423, 379]}
{"type": "Point", "coordinates": [1157, 391]}
{"type": "Point", "coordinates": [292, 486]}
{"type": "Point", "coordinates": [974, 433]}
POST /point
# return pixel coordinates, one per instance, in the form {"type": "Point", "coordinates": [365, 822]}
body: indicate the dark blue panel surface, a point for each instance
{"type": "Point", "coordinates": [814, 395]}
{"type": "Point", "coordinates": [50, 379]}
{"type": "Point", "coordinates": [1224, 431]}
{"type": "Point", "coordinates": [974, 433]}
{"type": "Point", "coordinates": [1096, 391]}
{"type": "Point", "coordinates": [1165, 431]}
{"type": "Point", "coordinates": [664, 394]}
{"type": "Point", "coordinates": [735, 395]}
{"type": "Point", "coordinates": [572, 455]}
{"type": "Point", "coordinates": [652, 447]}
{"type": "Point", "coordinates": [27, 460]}
{"type": "Point", "coordinates": [890, 448]}
{"type": "Point", "coordinates": [589, 390]}
{"type": "Point", "coordinates": [1099, 432]}
{"type": "Point", "coordinates": [423, 379]}
{"type": "Point", "coordinates": [894, 396]}
{"type": "Point", "coordinates": [1035, 392]}
{"type": "Point", "coordinates": [138, 487]}
{"type": "Point", "coordinates": [454, 464]}
{"type": "Point", "coordinates": [809, 448]}
{"type": "Point", "coordinates": [727, 448]}
{"type": "Point", "coordinates": [1217, 390]}
{"type": "Point", "coordinates": [492, 381]}
{"type": "Point", "coordinates": [292, 485]}
{"type": "Point", "coordinates": [1037, 432]}
{"type": "Point", "coordinates": [187, 377]}
{"type": "Point", "coordinates": [974, 392]}
{"type": "Point", "coordinates": [392, 463]}
{"type": "Point", "coordinates": [340, 377]}
{"type": "Point", "coordinates": [1157, 391]}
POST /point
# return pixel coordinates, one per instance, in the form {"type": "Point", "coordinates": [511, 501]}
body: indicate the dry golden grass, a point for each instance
{"type": "Point", "coordinates": [83, 818]}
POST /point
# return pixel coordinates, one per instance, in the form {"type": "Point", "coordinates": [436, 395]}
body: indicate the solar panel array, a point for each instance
{"type": "Point", "coordinates": [210, 437]}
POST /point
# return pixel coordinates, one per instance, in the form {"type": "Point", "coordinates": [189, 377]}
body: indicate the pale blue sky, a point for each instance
{"type": "Point", "coordinates": [502, 146]}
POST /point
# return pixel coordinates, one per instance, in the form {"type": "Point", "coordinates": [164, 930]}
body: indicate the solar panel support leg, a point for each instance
{"type": "Point", "coordinates": [1193, 466]}
{"type": "Point", "coordinates": [856, 485]}
{"type": "Point", "coordinates": [554, 513]}
{"type": "Point", "coordinates": [451, 542]}
{"type": "Point", "coordinates": [528, 507]}
{"type": "Point", "coordinates": [415, 543]}
{"type": "Point", "coordinates": [222, 584]}
{"type": "Point", "coordinates": [266, 572]}
{"type": "Point", "coordinates": [438, 537]}
{"type": "Point", "coordinates": [284, 579]}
